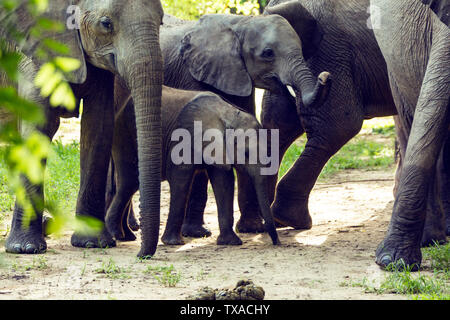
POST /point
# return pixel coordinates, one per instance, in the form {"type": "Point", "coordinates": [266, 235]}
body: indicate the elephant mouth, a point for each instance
{"type": "Point", "coordinates": [277, 86]}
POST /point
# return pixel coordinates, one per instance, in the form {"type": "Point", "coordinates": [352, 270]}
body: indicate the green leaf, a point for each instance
{"type": "Point", "coordinates": [67, 64]}
{"type": "Point", "coordinates": [23, 108]}
{"type": "Point", "coordinates": [63, 96]}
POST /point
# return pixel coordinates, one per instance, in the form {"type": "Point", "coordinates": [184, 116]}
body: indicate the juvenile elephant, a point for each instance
{"type": "Point", "coordinates": [231, 55]}
{"type": "Point", "coordinates": [100, 36]}
{"type": "Point", "coordinates": [182, 114]}
{"type": "Point", "coordinates": [415, 42]}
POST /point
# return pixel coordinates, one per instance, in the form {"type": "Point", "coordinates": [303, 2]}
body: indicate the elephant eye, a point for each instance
{"type": "Point", "coordinates": [267, 53]}
{"type": "Point", "coordinates": [106, 23]}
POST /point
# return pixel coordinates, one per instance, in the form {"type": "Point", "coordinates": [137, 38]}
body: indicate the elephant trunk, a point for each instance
{"type": "Point", "coordinates": [144, 79]}
{"type": "Point", "coordinates": [261, 186]}
{"type": "Point", "coordinates": [313, 90]}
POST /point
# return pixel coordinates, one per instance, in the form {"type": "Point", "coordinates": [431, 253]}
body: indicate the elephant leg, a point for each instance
{"type": "Point", "coordinates": [402, 141]}
{"type": "Point", "coordinates": [97, 125]}
{"type": "Point", "coordinates": [193, 225]}
{"type": "Point", "coordinates": [328, 129]}
{"type": "Point", "coordinates": [125, 175]}
{"type": "Point", "coordinates": [222, 182]}
{"type": "Point", "coordinates": [435, 229]}
{"type": "Point", "coordinates": [445, 183]}
{"type": "Point", "coordinates": [250, 220]}
{"type": "Point", "coordinates": [279, 113]}
{"type": "Point", "coordinates": [418, 177]}
{"type": "Point", "coordinates": [26, 234]}
{"type": "Point", "coordinates": [180, 179]}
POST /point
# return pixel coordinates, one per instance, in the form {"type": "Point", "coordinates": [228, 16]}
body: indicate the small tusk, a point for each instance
{"type": "Point", "coordinates": [291, 91]}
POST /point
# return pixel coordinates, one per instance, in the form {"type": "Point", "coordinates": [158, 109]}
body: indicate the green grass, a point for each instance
{"type": "Point", "coordinates": [362, 152]}
{"type": "Point", "coordinates": [417, 285]}
{"type": "Point", "coordinates": [165, 275]}
{"type": "Point", "coordinates": [62, 179]}
{"type": "Point", "coordinates": [112, 270]}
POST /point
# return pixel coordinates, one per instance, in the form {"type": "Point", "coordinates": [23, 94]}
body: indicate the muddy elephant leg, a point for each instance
{"type": "Point", "coordinates": [180, 179]}
{"type": "Point", "coordinates": [193, 225]}
{"type": "Point", "coordinates": [418, 177]}
{"type": "Point", "coordinates": [97, 126]}
{"type": "Point", "coordinates": [30, 239]}
{"type": "Point", "coordinates": [222, 182]}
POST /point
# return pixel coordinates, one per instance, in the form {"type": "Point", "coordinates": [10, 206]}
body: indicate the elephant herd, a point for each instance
{"type": "Point", "coordinates": [325, 66]}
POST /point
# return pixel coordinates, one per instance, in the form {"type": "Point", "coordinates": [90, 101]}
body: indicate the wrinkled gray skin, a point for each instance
{"type": "Point", "coordinates": [180, 109]}
{"type": "Point", "coordinates": [231, 55]}
{"type": "Point", "coordinates": [339, 41]}
{"type": "Point", "coordinates": [107, 30]}
{"type": "Point", "coordinates": [421, 89]}
{"type": "Point", "coordinates": [347, 48]}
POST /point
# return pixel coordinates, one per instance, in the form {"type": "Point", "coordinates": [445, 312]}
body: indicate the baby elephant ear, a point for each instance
{"type": "Point", "coordinates": [212, 52]}
{"type": "Point", "coordinates": [67, 15]}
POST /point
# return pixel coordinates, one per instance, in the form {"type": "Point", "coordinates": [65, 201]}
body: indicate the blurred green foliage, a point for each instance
{"type": "Point", "coordinates": [192, 10]}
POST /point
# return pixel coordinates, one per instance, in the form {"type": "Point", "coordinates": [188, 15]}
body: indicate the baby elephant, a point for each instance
{"type": "Point", "coordinates": [201, 132]}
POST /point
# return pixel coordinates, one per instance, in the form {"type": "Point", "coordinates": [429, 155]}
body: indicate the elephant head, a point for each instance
{"type": "Point", "coordinates": [256, 51]}
{"type": "Point", "coordinates": [123, 38]}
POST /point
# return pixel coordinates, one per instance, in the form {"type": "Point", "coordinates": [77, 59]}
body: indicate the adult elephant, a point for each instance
{"type": "Point", "coordinates": [231, 55]}
{"type": "Point", "coordinates": [342, 43]}
{"type": "Point", "coordinates": [414, 38]}
{"type": "Point", "coordinates": [110, 38]}
{"type": "Point", "coordinates": [348, 49]}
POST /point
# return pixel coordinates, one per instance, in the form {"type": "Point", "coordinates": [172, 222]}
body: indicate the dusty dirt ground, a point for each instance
{"type": "Point", "coordinates": [350, 215]}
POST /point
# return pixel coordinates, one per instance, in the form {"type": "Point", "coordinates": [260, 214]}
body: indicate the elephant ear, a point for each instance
{"type": "Point", "coordinates": [212, 52]}
{"type": "Point", "coordinates": [59, 11]}
{"type": "Point", "coordinates": [302, 21]}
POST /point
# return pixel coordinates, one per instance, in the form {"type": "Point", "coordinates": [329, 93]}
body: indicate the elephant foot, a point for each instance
{"type": "Point", "coordinates": [392, 255]}
{"type": "Point", "coordinates": [172, 239]}
{"type": "Point", "coordinates": [195, 231]}
{"type": "Point", "coordinates": [229, 238]}
{"type": "Point", "coordinates": [127, 236]}
{"type": "Point", "coordinates": [114, 227]}
{"type": "Point", "coordinates": [26, 242]}
{"type": "Point", "coordinates": [429, 239]}
{"type": "Point", "coordinates": [102, 240]}
{"type": "Point", "coordinates": [250, 225]}
{"type": "Point", "coordinates": [295, 216]}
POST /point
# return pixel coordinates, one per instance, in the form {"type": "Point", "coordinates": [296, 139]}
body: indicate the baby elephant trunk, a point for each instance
{"type": "Point", "coordinates": [261, 187]}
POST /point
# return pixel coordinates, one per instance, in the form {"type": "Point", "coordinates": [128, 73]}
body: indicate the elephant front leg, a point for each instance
{"type": "Point", "coordinates": [97, 126]}
{"type": "Point", "coordinates": [26, 234]}
{"type": "Point", "coordinates": [418, 183]}
{"type": "Point", "coordinates": [223, 186]}
{"type": "Point", "coordinates": [193, 225]}
{"type": "Point", "coordinates": [180, 180]}
{"type": "Point", "coordinates": [250, 220]}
